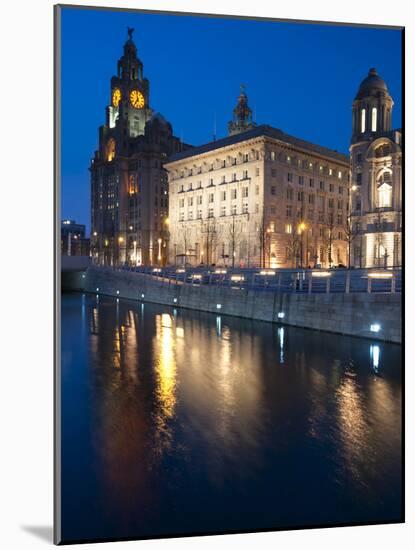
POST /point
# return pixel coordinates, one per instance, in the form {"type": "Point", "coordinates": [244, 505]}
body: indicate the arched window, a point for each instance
{"type": "Point", "coordinates": [363, 121]}
{"type": "Point", "coordinates": [374, 119]}
{"type": "Point", "coordinates": [384, 196]}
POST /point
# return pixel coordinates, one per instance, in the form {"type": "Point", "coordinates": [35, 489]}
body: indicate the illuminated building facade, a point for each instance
{"type": "Point", "coordinates": [376, 182]}
{"type": "Point", "coordinates": [129, 196]}
{"type": "Point", "coordinates": [73, 240]}
{"type": "Point", "coordinates": [258, 197]}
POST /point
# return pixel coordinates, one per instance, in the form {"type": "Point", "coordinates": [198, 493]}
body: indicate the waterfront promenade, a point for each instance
{"type": "Point", "coordinates": [363, 303]}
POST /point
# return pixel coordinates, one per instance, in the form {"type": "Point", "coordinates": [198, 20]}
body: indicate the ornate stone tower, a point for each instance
{"type": "Point", "coordinates": [130, 93]}
{"type": "Point", "coordinates": [242, 115]}
{"type": "Point", "coordinates": [376, 178]}
{"type": "Point", "coordinates": [129, 189]}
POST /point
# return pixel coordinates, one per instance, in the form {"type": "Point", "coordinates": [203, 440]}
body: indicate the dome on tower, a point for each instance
{"type": "Point", "coordinates": [372, 85]}
{"type": "Point", "coordinates": [242, 115]}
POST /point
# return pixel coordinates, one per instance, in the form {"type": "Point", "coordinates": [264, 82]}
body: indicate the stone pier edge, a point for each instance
{"type": "Point", "coordinates": [348, 314]}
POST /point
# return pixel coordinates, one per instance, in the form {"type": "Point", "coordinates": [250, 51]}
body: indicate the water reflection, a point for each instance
{"type": "Point", "coordinates": [281, 339]}
{"type": "Point", "coordinates": [218, 325]}
{"type": "Point", "coordinates": [166, 372]}
{"type": "Point", "coordinates": [183, 421]}
{"type": "Point", "coordinates": [375, 357]}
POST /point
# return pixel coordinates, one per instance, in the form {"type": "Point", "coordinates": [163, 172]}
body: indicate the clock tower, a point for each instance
{"type": "Point", "coordinates": [129, 106]}
{"type": "Point", "coordinates": [129, 188]}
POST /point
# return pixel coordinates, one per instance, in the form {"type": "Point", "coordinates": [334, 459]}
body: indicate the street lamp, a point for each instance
{"type": "Point", "coordinates": [301, 228]}
{"type": "Point", "coordinates": [120, 241]}
{"type": "Point", "coordinates": [135, 252]}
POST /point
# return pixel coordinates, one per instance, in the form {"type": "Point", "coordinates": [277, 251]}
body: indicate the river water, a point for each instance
{"type": "Point", "coordinates": [182, 422]}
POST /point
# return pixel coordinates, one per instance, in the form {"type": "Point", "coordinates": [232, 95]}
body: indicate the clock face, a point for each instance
{"type": "Point", "coordinates": [137, 99]}
{"type": "Point", "coordinates": [116, 97]}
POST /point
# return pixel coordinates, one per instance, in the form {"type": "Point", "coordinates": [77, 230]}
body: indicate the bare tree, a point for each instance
{"type": "Point", "coordinates": [210, 238]}
{"type": "Point", "coordinates": [185, 242]}
{"type": "Point", "coordinates": [264, 238]}
{"type": "Point", "coordinates": [328, 237]}
{"type": "Point", "coordinates": [350, 232]}
{"type": "Point", "coordinates": [234, 236]}
{"type": "Point", "coordinates": [294, 243]}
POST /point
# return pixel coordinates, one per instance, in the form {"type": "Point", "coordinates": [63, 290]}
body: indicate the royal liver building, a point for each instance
{"type": "Point", "coordinates": [129, 192]}
{"type": "Point", "coordinates": [376, 183]}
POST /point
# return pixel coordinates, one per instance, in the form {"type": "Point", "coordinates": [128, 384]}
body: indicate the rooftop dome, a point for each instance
{"type": "Point", "coordinates": [371, 85]}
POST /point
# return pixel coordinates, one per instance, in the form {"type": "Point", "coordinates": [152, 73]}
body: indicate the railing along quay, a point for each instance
{"type": "Point", "coordinates": [305, 281]}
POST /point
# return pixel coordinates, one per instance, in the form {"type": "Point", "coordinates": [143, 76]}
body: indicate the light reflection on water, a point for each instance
{"type": "Point", "coordinates": [177, 421]}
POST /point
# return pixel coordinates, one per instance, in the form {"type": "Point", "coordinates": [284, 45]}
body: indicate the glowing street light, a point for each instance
{"type": "Point", "coordinates": [301, 229]}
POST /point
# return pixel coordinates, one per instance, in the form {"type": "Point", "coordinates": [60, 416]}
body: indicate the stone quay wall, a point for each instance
{"type": "Point", "coordinates": [351, 314]}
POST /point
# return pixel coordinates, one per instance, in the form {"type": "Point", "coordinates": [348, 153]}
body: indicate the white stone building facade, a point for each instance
{"type": "Point", "coordinates": [376, 186]}
{"type": "Point", "coordinates": [260, 198]}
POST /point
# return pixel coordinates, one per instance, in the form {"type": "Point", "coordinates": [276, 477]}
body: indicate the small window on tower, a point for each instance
{"type": "Point", "coordinates": [363, 121]}
{"type": "Point", "coordinates": [110, 149]}
{"type": "Point", "coordinates": [374, 119]}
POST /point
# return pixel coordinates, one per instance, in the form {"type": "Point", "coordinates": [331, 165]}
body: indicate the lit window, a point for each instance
{"type": "Point", "coordinates": [374, 118]}
{"type": "Point", "coordinates": [288, 228]}
{"type": "Point", "coordinates": [363, 121]}
{"type": "Point", "coordinates": [384, 196]}
{"type": "Point", "coordinates": [110, 149]}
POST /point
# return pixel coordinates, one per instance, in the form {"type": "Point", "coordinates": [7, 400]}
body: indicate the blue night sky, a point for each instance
{"type": "Point", "coordinates": [301, 78]}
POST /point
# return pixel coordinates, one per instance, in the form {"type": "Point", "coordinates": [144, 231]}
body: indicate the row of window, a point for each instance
{"type": "Point", "coordinates": [300, 214]}
{"type": "Point", "coordinates": [211, 212]}
{"type": "Point", "coordinates": [311, 183]}
{"type": "Point", "coordinates": [305, 164]}
{"type": "Point", "coordinates": [209, 167]}
{"type": "Point", "coordinates": [273, 189]}
{"type": "Point", "coordinates": [190, 187]}
{"type": "Point", "coordinates": [211, 197]}
{"type": "Point", "coordinates": [322, 231]}
{"type": "Point", "coordinates": [321, 201]}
